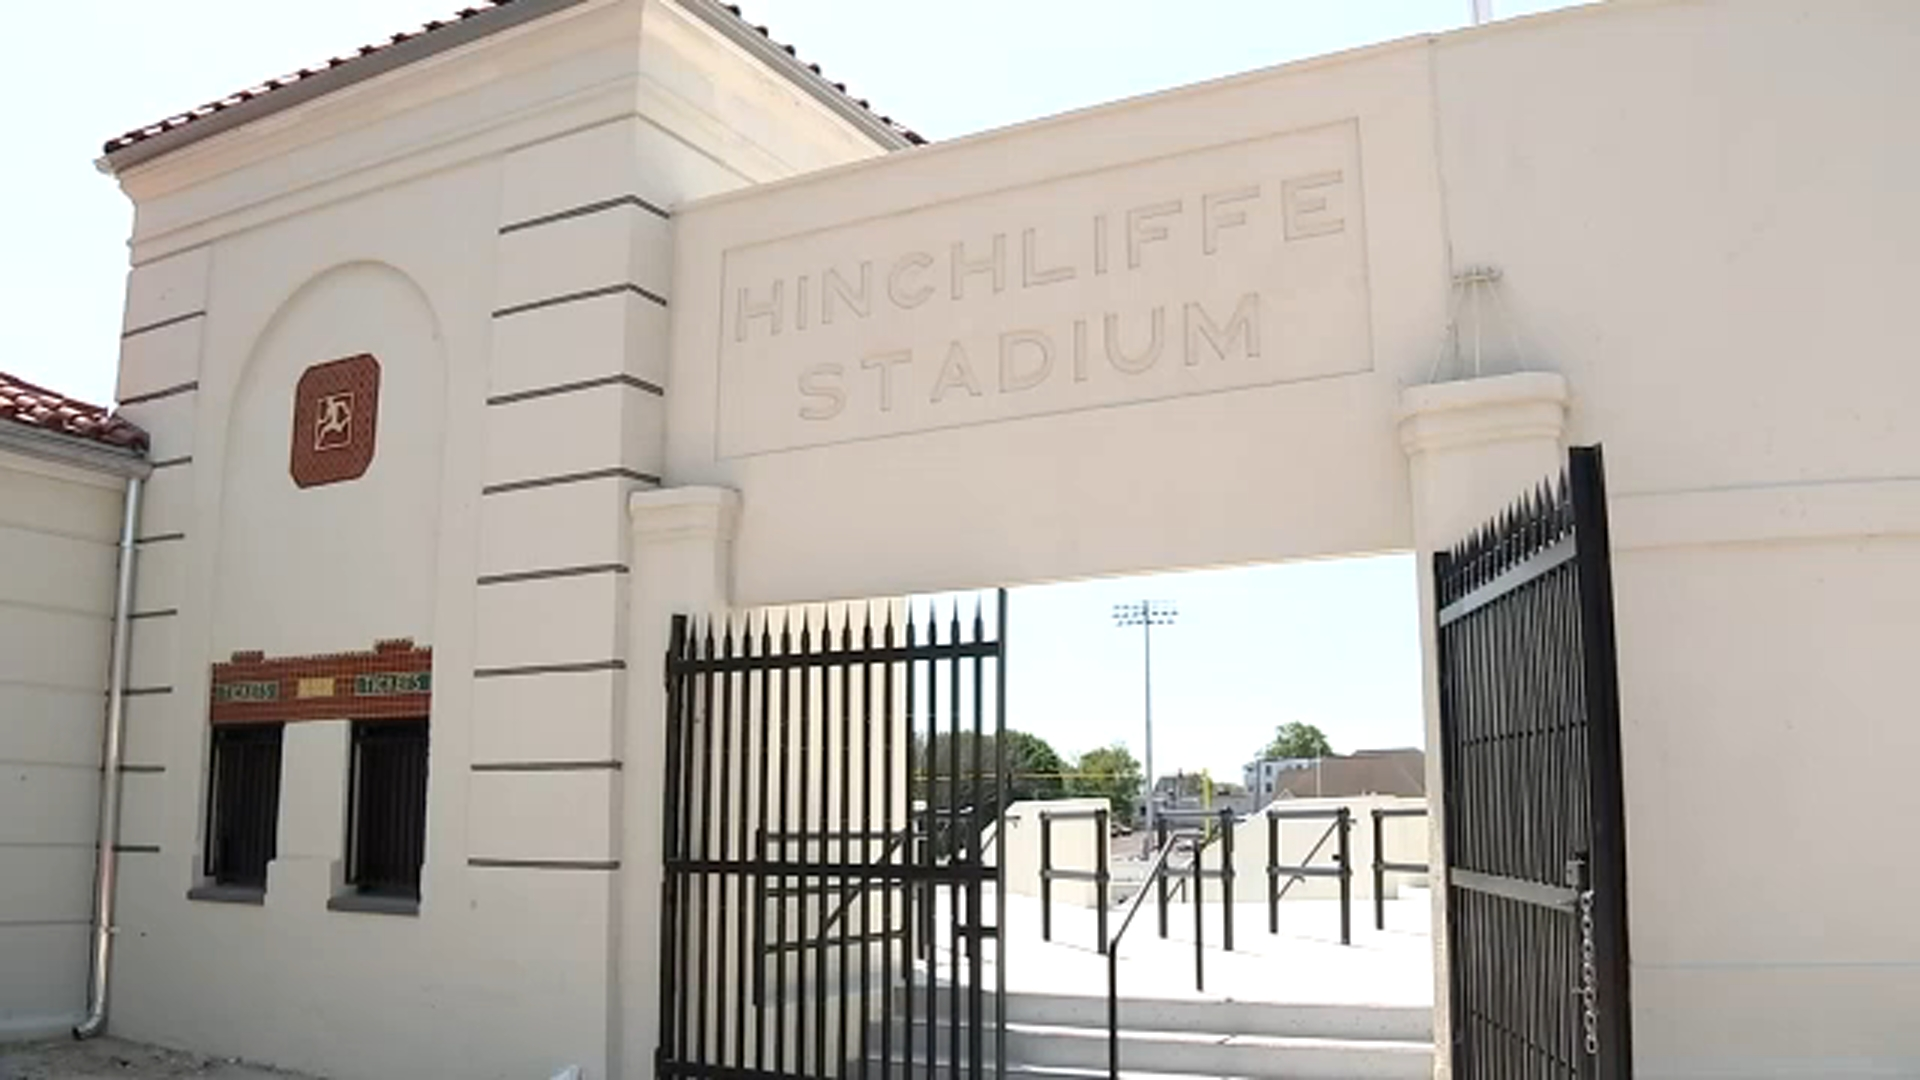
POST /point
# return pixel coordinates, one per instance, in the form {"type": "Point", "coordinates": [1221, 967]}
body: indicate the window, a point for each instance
{"type": "Point", "coordinates": [387, 833]}
{"type": "Point", "coordinates": [243, 804]}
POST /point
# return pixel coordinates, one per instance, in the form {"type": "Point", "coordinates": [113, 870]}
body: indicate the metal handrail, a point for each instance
{"type": "Point", "coordinates": [1154, 871]}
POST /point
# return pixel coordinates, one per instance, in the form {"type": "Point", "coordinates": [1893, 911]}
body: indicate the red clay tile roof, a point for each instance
{"type": "Point", "coordinates": [33, 406]}
{"type": "Point", "coordinates": [172, 123]}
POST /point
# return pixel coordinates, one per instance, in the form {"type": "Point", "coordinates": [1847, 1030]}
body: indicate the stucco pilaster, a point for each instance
{"type": "Point", "coordinates": [682, 565]}
{"type": "Point", "coordinates": [1472, 447]}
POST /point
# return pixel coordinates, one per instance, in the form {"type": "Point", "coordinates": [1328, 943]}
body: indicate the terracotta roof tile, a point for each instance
{"type": "Point", "coordinates": [37, 407]}
{"type": "Point", "coordinates": [180, 120]}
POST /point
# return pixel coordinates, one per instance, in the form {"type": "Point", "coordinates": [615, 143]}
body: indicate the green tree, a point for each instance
{"type": "Point", "coordinates": [1110, 773]}
{"type": "Point", "coordinates": [1034, 769]}
{"type": "Point", "coordinates": [1297, 740]}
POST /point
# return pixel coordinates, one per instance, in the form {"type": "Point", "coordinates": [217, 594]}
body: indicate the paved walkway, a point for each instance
{"type": "Point", "coordinates": [1303, 964]}
{"type": "Point", "coordinates": [112, 1059]}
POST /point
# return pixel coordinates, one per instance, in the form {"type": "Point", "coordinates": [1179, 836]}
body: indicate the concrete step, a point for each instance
{"type": "Point", "coordinates": [1184, 1051]}
{"type": "Point", "coordinates": [1409, 1023]}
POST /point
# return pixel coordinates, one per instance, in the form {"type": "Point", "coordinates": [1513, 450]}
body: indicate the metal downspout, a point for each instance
{"type": "Point", "coordinates": [109, 835]}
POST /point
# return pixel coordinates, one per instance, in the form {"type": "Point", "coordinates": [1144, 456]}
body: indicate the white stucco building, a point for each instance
{"type": "Point", "coordinates": [471, 360]}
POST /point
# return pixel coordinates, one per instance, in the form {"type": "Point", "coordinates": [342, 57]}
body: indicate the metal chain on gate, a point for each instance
{"type": "Point", "coordinates": [1589, 977]}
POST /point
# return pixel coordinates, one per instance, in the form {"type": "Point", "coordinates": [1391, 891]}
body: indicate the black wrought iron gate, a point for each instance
{"type": "Point", "coordinates": [1535, 827]}
{"type": "Point", "coordinates": [832, 789]}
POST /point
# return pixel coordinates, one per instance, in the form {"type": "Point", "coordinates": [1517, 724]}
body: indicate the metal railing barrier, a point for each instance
{"type": "Point", "coordinates": [1339, 828]}
{"type": "Point", "coordinates": [1100, 875]}
{"type": "Point", "coordinates": [1382, 866]}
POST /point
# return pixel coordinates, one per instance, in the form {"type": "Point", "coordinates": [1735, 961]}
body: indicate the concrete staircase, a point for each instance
{"type": "Point", "coordinates": [1055, 1037]}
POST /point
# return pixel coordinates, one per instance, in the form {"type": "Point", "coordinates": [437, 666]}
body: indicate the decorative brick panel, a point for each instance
{"type": "Point", "coordinates": [394, 681]}
{"type": "Point", "coordinates": [335, 409]}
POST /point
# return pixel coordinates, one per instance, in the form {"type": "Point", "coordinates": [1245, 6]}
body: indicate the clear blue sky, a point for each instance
{"type": "Point", "coordinates": [1332, 643]}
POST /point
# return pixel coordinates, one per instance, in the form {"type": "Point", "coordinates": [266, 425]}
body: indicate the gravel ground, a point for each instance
{"type": "Point", "coordinates": [111, 1059]}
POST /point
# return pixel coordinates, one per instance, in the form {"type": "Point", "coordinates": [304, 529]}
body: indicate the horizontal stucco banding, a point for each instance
{"type": "Point", "coordinates": [585, 294]}
{"type": "Point", "coordinates": [162, 324]}
{"type": "Point", "coordinates": [556, 572]}
{"type": "Point", "coordinates": [156, 395]}
{"type": "Point", "coordinates": [583, 211]}
{"type": "Point", "coordinates": [571, 478]}
{"type": "Point", "coordinates": [549, 669]}
{"type": "Point", "coordinates": [545, 766]}
{"type": "Point", "coordinates": [573, 387]}
{"type": "Point", "coordinates": [545, 864]}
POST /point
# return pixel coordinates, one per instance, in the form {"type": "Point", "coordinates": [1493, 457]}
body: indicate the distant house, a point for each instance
{"type": "Point", "coordinates": [1367, 772]}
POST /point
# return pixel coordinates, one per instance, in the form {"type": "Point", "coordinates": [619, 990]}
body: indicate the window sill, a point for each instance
{"type": "Point", "coordinates": [228, 894]}
{"type": "Point", "coordinates": [369, 904]}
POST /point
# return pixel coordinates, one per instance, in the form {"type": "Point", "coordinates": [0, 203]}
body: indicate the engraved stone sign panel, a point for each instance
{"type": "Point", "coordinates": [1237, 266]}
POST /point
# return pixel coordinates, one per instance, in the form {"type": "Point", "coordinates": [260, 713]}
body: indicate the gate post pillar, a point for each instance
{"type": "Point", "coordinates": [1470, 446]}
{"type": "Point", "coordinates": [682, 558]}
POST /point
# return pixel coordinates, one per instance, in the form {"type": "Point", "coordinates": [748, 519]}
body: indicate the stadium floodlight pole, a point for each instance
{"type": "Point", "coordinates": [1147, 614]}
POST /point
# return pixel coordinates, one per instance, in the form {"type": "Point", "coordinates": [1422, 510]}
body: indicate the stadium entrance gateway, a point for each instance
{"type": "Point", "coordinates": [526, 334]}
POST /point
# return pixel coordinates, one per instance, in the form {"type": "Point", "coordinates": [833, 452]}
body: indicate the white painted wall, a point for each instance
{"type": "Point", "coordinates": [429, 217]}
{"type": "Point", "coordinates": [59, 533]}
{"type": "Point", "coordinates": [1699, 210]}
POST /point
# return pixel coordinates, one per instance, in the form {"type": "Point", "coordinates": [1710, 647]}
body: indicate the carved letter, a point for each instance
{"type": "Point", "coordinates": [1211, 221]}
{"type": "Point", "coordinates": [914, 297]}
{"type": "Point", "coordinates": [1242, 328]}
{"type": "Point", "coordinates": [1011, 377]}
{"type": "Point", "coordinates": [1079, 350]}
{"type": "Point", "coordinates": [884, 363]}
{"type": "Point", "coordinates": [995, 264]}
{"type": "Point", "coordinates": [1140, 234]}
{"type": "Point", "coordinates": [1300, 209]}
{"type": "Point", "coordinates": [1029, 257]}
{"type": "Point", "coordinates": [800, 303]}
{"type": "Point", "coordinates": [1099, 244]}
{"type": "Point", "coordinates": [956, 372]}
{"type": "Point", "coordinates": [829, 392]}
{"type": "Point", "coordinates": [746, 311]}
{"type": "Point", "coordinates": [832, 285]}
{"type": "Point", "coordinates": [1134, 365]}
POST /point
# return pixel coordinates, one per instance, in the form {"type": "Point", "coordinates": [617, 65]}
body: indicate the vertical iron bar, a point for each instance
{"type": "Point", "coordinates": [784, 816]}
{"type": "Point", "coordinates": [1345, 820]}
{"type": "Point", "coordinates": [1606, 801]}
{"type": "Point", "coordinates": [704, 804]}
{"type": "Point", "coordinates": [1046, 876]}
{"type": "Point", "coordinates": [671, 943]}
{"type": "Point", "coordinates": [800, 842]}
{"type": "Point", "coordinates": [848, 835]}
{"type": "Point", "coordinates": [727, 880]}
{"type": "Point", "coordinates": [1379, 874]}
{"type": "Point", "coordinates": [1000, 838]}
{"type": "Point", "coordinates": [763, 790]}
{"type": "Point", "coordinates": [684, 1050]}
{"type": "Point", "coordinates": [822, 846]}
{"type": "Point", "coordinates": [867, 861]}
{"type": "Point", "coordinates": [975, 832]}
{"type": "Point", "coordinates": [1199, 921]}
{"type": "Point", "coordinates": [910, 894]}
{"type": "Point", "coordinates": [1226, 879]}
{"type": "Point", "coordinates": [1273, 874]}
{"type": "Point", "coordinates": [889, 774]}
{"type": "Point", "coordinates": [930, 852]}
{"type": "Point", "coordinates": [1159, 842]}
{"type": "Point", "coordinates": [1100, 874]}
{"type": "Point", "coordinates": [1113, 1011]}
{"type": "Point", "coordinates": [953, 849]}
